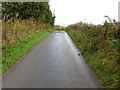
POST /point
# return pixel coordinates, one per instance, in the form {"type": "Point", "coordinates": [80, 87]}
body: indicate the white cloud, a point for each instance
{"type": "Point", "coordinates": [72, 11]}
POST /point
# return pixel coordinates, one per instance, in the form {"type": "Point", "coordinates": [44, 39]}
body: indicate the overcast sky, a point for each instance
{"type": "Point", "coordinates": [91, 11]}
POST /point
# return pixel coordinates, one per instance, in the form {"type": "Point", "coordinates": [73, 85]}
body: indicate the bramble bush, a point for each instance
{"type": "Point", "coordinates": [100, 45]}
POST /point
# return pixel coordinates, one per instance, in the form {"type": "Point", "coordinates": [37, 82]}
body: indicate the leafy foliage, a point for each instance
{"type": "Point", "coordinates": [23, 25]}
{"type": "Point", "coordinates": [39, 11]}
{"type": "Point", "coordinates": [100, 45]}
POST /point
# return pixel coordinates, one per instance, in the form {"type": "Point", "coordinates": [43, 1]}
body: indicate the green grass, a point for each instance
{"type": "Point", "coordinates": [17, 50]}
{"type": "Point", "coordinates": [104, 65]}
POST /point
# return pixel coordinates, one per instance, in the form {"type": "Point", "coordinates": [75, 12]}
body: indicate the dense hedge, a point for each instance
{"type": "Point", "coordinates": [100, 45]}
{"type": "Point", "coordinates": [39, 11]}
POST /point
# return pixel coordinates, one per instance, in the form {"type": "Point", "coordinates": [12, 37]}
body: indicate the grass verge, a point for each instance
{"type": "Point", "coordinates": [101, 58]}
{"type": "Point", "coordinates": [17, 50]}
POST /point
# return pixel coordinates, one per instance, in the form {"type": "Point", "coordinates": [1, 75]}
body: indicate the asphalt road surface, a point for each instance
{"type": "Point", "coordinates": [52, 63]}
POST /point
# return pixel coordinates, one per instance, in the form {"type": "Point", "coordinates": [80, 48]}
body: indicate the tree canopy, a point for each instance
{"type": "Point", "coordinates": [39, 11]}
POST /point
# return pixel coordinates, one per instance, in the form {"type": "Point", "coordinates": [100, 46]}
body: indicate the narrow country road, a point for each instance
{"type": "Point", "coordinates": [52, 63]}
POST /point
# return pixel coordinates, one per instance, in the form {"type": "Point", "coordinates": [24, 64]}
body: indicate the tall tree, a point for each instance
{"type": "Point", "coordinates": [39, 11]}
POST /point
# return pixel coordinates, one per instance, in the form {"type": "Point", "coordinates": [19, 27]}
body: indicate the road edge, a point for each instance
{"type": "Point", "coordinates": [17, 62]}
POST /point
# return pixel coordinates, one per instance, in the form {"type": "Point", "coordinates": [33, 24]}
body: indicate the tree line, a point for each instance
{"type": "Point", "coordinates": [38, 11]}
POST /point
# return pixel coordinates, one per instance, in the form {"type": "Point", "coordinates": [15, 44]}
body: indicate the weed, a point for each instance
{"type": "Point", "coordinates": [100, 47]}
